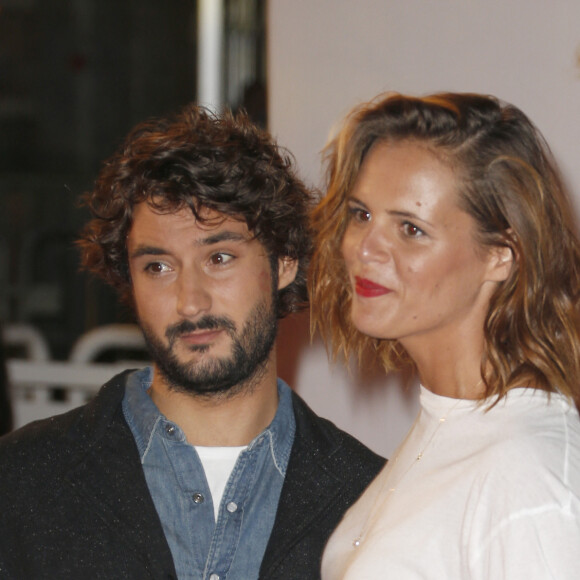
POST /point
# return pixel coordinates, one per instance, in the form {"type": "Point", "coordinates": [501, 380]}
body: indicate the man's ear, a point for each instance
{"type": "Point", "coordinates": [501, 261]}
{"type": "Point", "coordinates": [287, 270]}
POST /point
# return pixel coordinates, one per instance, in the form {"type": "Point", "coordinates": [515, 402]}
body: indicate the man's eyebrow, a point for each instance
{"type": "Point", "coordinates": [147, 251]}
{"type": "Point", "coordinates": [217, 238]}
{"type": "Point", "coordinates": [225, 236]}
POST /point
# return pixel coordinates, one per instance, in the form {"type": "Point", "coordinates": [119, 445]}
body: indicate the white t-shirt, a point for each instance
{"type": "Point", "coordinates": [218, 464]}
{"type": "Point", "coordinates": [495, 495]}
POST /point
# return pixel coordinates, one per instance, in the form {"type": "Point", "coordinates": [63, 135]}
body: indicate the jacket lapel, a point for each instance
{"type": "Point", "coordinates": [310, 486]}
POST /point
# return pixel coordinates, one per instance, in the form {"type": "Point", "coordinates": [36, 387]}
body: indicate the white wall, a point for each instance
{"type": "Point", "coordinates": [327, 55]}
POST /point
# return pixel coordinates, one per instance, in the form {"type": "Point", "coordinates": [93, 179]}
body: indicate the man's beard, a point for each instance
{"type": "Point", "coordinates": [251, 348]}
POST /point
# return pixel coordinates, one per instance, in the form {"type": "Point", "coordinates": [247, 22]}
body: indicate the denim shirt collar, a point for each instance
{"type": "Point", "coordinates": [144, 416]}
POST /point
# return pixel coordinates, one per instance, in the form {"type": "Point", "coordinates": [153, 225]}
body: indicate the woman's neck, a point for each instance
{"type": "Point", "coordinates": [450, 370]}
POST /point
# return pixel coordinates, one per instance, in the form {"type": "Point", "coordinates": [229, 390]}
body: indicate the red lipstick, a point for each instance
{"type": "Point", "coordinates": [368, 289]}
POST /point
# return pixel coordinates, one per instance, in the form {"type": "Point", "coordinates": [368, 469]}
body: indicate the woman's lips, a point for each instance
{"type": "Point", "coordinates": [368, 289]}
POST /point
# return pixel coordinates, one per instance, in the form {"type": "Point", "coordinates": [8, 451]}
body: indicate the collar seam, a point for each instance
{"type": "Point", "coordinates": [150, 439]}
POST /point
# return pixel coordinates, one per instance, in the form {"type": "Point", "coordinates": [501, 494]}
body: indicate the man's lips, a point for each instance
{"type": "Point", "coordinates": [368, 289]}
{"type": "Point", "coordinates": [200, 336]}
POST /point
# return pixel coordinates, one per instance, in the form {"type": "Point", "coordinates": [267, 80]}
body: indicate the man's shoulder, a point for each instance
{"type": "Point", "coordinates": [43, 444]}
{"type": "Point", "coordinates": [39, 437]}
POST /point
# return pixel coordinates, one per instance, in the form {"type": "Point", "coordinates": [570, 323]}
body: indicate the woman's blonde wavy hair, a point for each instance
{"type": "Point", "coordinates": [509, 184]}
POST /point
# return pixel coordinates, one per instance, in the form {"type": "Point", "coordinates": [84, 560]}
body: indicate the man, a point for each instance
{"type": "Point", "coordinates": [205, 465]}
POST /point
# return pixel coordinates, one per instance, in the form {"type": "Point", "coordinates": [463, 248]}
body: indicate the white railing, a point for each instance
{"type": "Point", "coordinates": [34, 385]}
{"type": "Point", "coordinates": [27, 337]}
{"type": "Point", "coordinates": [41, 387]}
{"type": "Point", "coordinates": [111, 336]}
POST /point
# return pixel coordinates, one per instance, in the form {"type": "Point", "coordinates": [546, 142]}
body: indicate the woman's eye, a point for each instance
{"type": "Point", "coordinates": [220, 258]}
{"type": "Point", "coordinates": [359, 214]}
{"type": "Point", "coordinates": [411, 230]}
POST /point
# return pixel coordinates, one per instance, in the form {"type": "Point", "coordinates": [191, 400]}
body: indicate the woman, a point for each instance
{"type": "Point", "coordinates": [446, 241]}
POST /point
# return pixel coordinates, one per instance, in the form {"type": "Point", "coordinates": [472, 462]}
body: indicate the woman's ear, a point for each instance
{"type": "Point", "coordinates": [287, 270]}
{"type": "Point", "coordinates": [501, 261]}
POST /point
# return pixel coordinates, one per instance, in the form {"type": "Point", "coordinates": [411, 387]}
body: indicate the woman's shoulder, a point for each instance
{"type": "Point", "coordinates": [532, 456]}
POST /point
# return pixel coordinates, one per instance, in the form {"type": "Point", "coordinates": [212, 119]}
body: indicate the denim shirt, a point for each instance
{"type": "Point", "coordinates": [232, 547]}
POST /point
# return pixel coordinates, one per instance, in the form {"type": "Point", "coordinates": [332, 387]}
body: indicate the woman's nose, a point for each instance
{"type": "Point", "coordinates": [373, 246]}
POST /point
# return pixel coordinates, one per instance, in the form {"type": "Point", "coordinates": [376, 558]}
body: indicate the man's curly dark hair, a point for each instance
{"type": "Point", "coordinates": [201, 160]}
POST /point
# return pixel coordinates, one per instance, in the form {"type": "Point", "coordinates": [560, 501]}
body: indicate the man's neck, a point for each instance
{"type": "Point", "coordinates": [219, 420]}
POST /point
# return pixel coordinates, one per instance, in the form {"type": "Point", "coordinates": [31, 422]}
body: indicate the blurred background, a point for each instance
{"type": "Point", "coordinates": [76, 75]}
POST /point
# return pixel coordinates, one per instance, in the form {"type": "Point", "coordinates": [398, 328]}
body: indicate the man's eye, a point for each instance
{"type": "Point", "coordinates": [156, 267]}
{"type": "Point", "coordinates": [411, 230]}
{"type": "Point", "coordinates": [220, 258]}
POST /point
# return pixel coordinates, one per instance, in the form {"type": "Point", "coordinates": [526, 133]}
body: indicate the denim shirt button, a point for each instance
{"type": "Point", "coordinates": [232, 507]}
{"type": "Point", "coordinates": [214, 577]}
{"type": "Point", "coordinates": [170, 430]}
{"type": "Point", "coordinates": [198, 497]}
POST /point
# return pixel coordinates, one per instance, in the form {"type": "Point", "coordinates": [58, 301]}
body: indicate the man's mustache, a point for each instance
{"type": "Point", "coordinates": [207, 322]}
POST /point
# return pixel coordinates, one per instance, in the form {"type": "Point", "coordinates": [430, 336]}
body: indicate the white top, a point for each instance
{"type": "Point", "coordinates": [495, 495]}
{"type": "Point", "coordinates": [218, 464]}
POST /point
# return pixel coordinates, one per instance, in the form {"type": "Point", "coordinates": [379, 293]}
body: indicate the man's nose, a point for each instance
{"type": "Point", "coordinates": [193, 297]}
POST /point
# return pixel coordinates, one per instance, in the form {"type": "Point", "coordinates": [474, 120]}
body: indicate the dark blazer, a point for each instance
{"type": "Point", "coordinates": [74, 502]}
